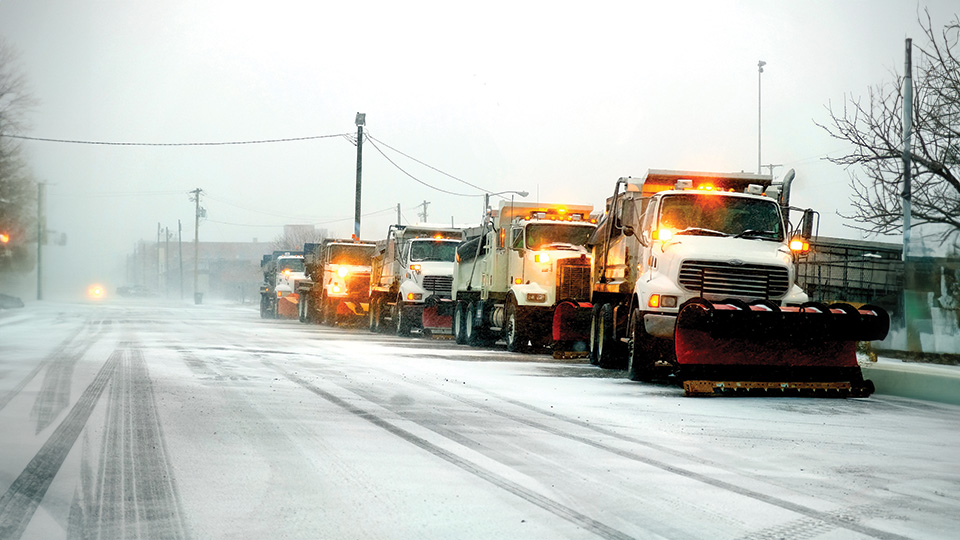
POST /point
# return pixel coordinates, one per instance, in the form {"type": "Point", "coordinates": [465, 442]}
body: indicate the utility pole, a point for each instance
{"type": "Point", "coordinates": [398, 213]}
{"type": "Point", "coordinates": [760, 65]}
{"type": "Point", "coordinates": [41, 223]}
{"type": "Point", "coordinates": [423, 215]}
{"type": "Point", "coordinates": [180, 256]}
{"type": "Point", "coordinates": [360, 121]}
{"type": "Point", "coordinates": [159, 283]}
{"type": "Point", "coordinates": [772, 166]}
{"type": "Point", "coordinates": [166, 261]}
{"type": "Point", "coordinates": [196, 245]}
{"type": "Point", "coordinates": [912, 300]}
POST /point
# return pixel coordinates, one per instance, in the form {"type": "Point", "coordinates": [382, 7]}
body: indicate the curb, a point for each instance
{"type": "Point", "coordinates": [917, 381]}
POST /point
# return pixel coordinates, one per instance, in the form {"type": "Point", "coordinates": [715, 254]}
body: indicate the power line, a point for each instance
{"type": "Point", "coordinates": [370, 137]}
{"type": "Point", "coordinates": [206, 143]}
{"type": "Point", "coordinates": [401, 169]}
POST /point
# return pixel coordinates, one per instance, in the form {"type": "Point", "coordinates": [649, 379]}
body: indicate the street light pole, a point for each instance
{"type": "Point", "coordinates": [760, 65]}
{"type": "Point", "coordinates": [360, 121]}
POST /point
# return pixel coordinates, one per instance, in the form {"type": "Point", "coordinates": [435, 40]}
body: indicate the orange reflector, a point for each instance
{"type": "Point", "coordinates": [654, 301]}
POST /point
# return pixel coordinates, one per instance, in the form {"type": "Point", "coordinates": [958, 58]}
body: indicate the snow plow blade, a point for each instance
{"type": "Point", "coordinates": [437, 318]}
{"type": "Point", "coordinates": [732, 348]}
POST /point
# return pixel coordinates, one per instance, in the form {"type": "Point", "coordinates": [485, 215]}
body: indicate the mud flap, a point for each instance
{"type": "Point", "coordinates": [571, 329]}
{"type": "Point", "coordinates": [732, 347]}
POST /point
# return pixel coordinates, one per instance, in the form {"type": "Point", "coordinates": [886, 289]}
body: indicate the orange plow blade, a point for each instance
{"type": "Point", "coordinates": [761, 348]}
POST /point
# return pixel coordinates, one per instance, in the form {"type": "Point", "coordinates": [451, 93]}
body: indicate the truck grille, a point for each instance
{"type": "Point", "coordinates": [439, 285]}
{"type": "Point", "coordinates": [573, 279]}
{"type": "Point", "coordinates": [744, 280]}
{"type": "Point", "coordinates": [358, 283]}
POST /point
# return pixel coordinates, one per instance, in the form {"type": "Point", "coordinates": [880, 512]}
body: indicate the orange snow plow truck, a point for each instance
{"type": "Point", "coordinates": [694, 277]}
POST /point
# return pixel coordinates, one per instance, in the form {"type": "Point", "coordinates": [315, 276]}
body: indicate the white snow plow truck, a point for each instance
{"type": "Point", "coordinates": [411, 279]}
{"type": "Point", "coordinates": [694, 277]}
{"type": "Point", "coordinates": [337, 288]}
{"type": "Point", "coordinates": [282, 271]}
{"type": "Point", "coordinates": [523, 276]}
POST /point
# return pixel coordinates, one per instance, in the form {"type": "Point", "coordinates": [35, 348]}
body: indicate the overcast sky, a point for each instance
{"type": "Point", "coordinates": [557, 99]}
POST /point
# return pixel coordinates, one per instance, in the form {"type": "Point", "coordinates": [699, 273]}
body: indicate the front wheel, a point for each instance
{"type": "Point", "coordinates": [460, 323]}
{"type": "Point", "coordinates": [402, 323]}
{"type": "Point", "coordinates": [514, 332]}
{"type": "Point", "coordinates": [641, 354]}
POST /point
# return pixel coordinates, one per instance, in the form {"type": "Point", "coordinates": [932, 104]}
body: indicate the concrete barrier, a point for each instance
{"type": "Point", "coordinates": [915, 380]}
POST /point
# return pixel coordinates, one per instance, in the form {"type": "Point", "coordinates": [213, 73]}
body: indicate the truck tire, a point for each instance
{"type": "Point", "coordinates": [402, 323]}
{"type": "Point", "coordinates": [515, 329]}
{"type": "Point", "coordinates": [460, 323]}
{"type": "Point", "coordinates": [594, 345]}
{"type": "Point", "coordinates": [374, 315]}
{"type": "Point", "coordinates": [264, 308]}
{"type": "Point", "coordinates": [607, 353]}
{"type": "Point", "coordinates": [641, 351]}
{"type": "Point", "coordinates": [302, 306]}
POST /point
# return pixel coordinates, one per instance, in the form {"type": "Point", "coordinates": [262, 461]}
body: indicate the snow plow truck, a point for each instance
{"type": "Point", "coordinates": [694, 277]}
{"type": "Point", "coordinates": [337, 288]}
{"type": "Point", "coordinates": [411, 279]}
{"type": "Point", "coordinates": [522, 278]}
{"type": "Point", "coordinates": [282, 271]}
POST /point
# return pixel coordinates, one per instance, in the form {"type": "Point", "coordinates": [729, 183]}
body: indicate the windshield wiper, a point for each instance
{"type": "Point", "coordinates": [702, 231]}
{"type": "Point", "coordinates": [755, 233]}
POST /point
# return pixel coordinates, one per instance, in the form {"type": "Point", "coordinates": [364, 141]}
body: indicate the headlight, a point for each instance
{"type": "Point", "coordinates": [541, 258]}
{"type": "Point", "coordinates": [342, 271]}
{"type": "Point", "coordinates": [415, 296]}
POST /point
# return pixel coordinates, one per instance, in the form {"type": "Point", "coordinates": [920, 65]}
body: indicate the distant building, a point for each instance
{"type": "Point", "coordinates": [225, 270]}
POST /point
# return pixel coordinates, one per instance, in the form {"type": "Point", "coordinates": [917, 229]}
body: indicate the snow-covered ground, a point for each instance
{"type": "Point", "coordinates": [153, 420]}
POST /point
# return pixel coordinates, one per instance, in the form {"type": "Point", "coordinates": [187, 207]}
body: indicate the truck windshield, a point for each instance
{"type": "Point", "coordinates": [433, 250]}
{"type": "Point", "coordinates": [721, 215]}
{"type": "Point", "coordinates": [293, 265]}
{"type": "Point", "coordinates": [542, 235]}
{"type": "Point", "coordinates": [351, 255]}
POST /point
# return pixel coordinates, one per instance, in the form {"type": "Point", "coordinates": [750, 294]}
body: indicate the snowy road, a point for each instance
{"type": "Point", "coordinates": [142, 420]}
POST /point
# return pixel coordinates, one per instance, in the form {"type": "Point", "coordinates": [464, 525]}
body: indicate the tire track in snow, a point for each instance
{"type": "Point", "coordinates": [54, 394]}
{"type": "Point", "coordinates": [554, 507]}
{"type": "Point", "coordinates": [828, 520]}
{"type": "Point", "coordinates": [21, 500]}
{"type": "Point", "coordinates": [57, 352]}
{"type": "Point", "coordinates": [133, 493]}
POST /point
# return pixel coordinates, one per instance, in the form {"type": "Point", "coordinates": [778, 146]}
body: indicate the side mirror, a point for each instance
{"type": "Point", "coordinates": [806, 226]}
{"type": "Point", "coordinates": [628, 230]}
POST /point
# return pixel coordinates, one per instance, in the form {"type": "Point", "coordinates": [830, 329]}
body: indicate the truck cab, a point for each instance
{"type": "Point", "coordinates": [338, 288]}
{"type": "Point", "coordinates": [411, 279]}
{"type": "Point", "coordinates": [511, 277]}
{"type": "Point", "coordinates": [282, 272]}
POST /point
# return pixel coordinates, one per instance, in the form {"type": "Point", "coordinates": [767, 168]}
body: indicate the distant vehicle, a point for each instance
{"type": "Point", "coordinates": [282, 271]}
{"type": "Point", "coordinates": [10, 302]}
{"type": "Point", "coordinates": [337, 285]}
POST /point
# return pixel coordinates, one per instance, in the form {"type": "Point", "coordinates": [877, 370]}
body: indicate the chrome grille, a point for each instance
{"type": "Point", "coordinates": [573, 279]}
{"type": "Point", "coordinates": [439, 285]}
{"type": "Point", "coordinates": [743, 280]}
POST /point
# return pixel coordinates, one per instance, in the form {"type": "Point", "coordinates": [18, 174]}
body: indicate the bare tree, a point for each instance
{"type": "Point", "coordinates": [295, 236]}
{"type": "Point", "coordinates": [875, 128]}
{"type": "Point", "coordinates": [17, 189]}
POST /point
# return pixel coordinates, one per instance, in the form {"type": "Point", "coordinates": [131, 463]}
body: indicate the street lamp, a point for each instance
{"type": "Point", "coordinates": [760, 65]}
